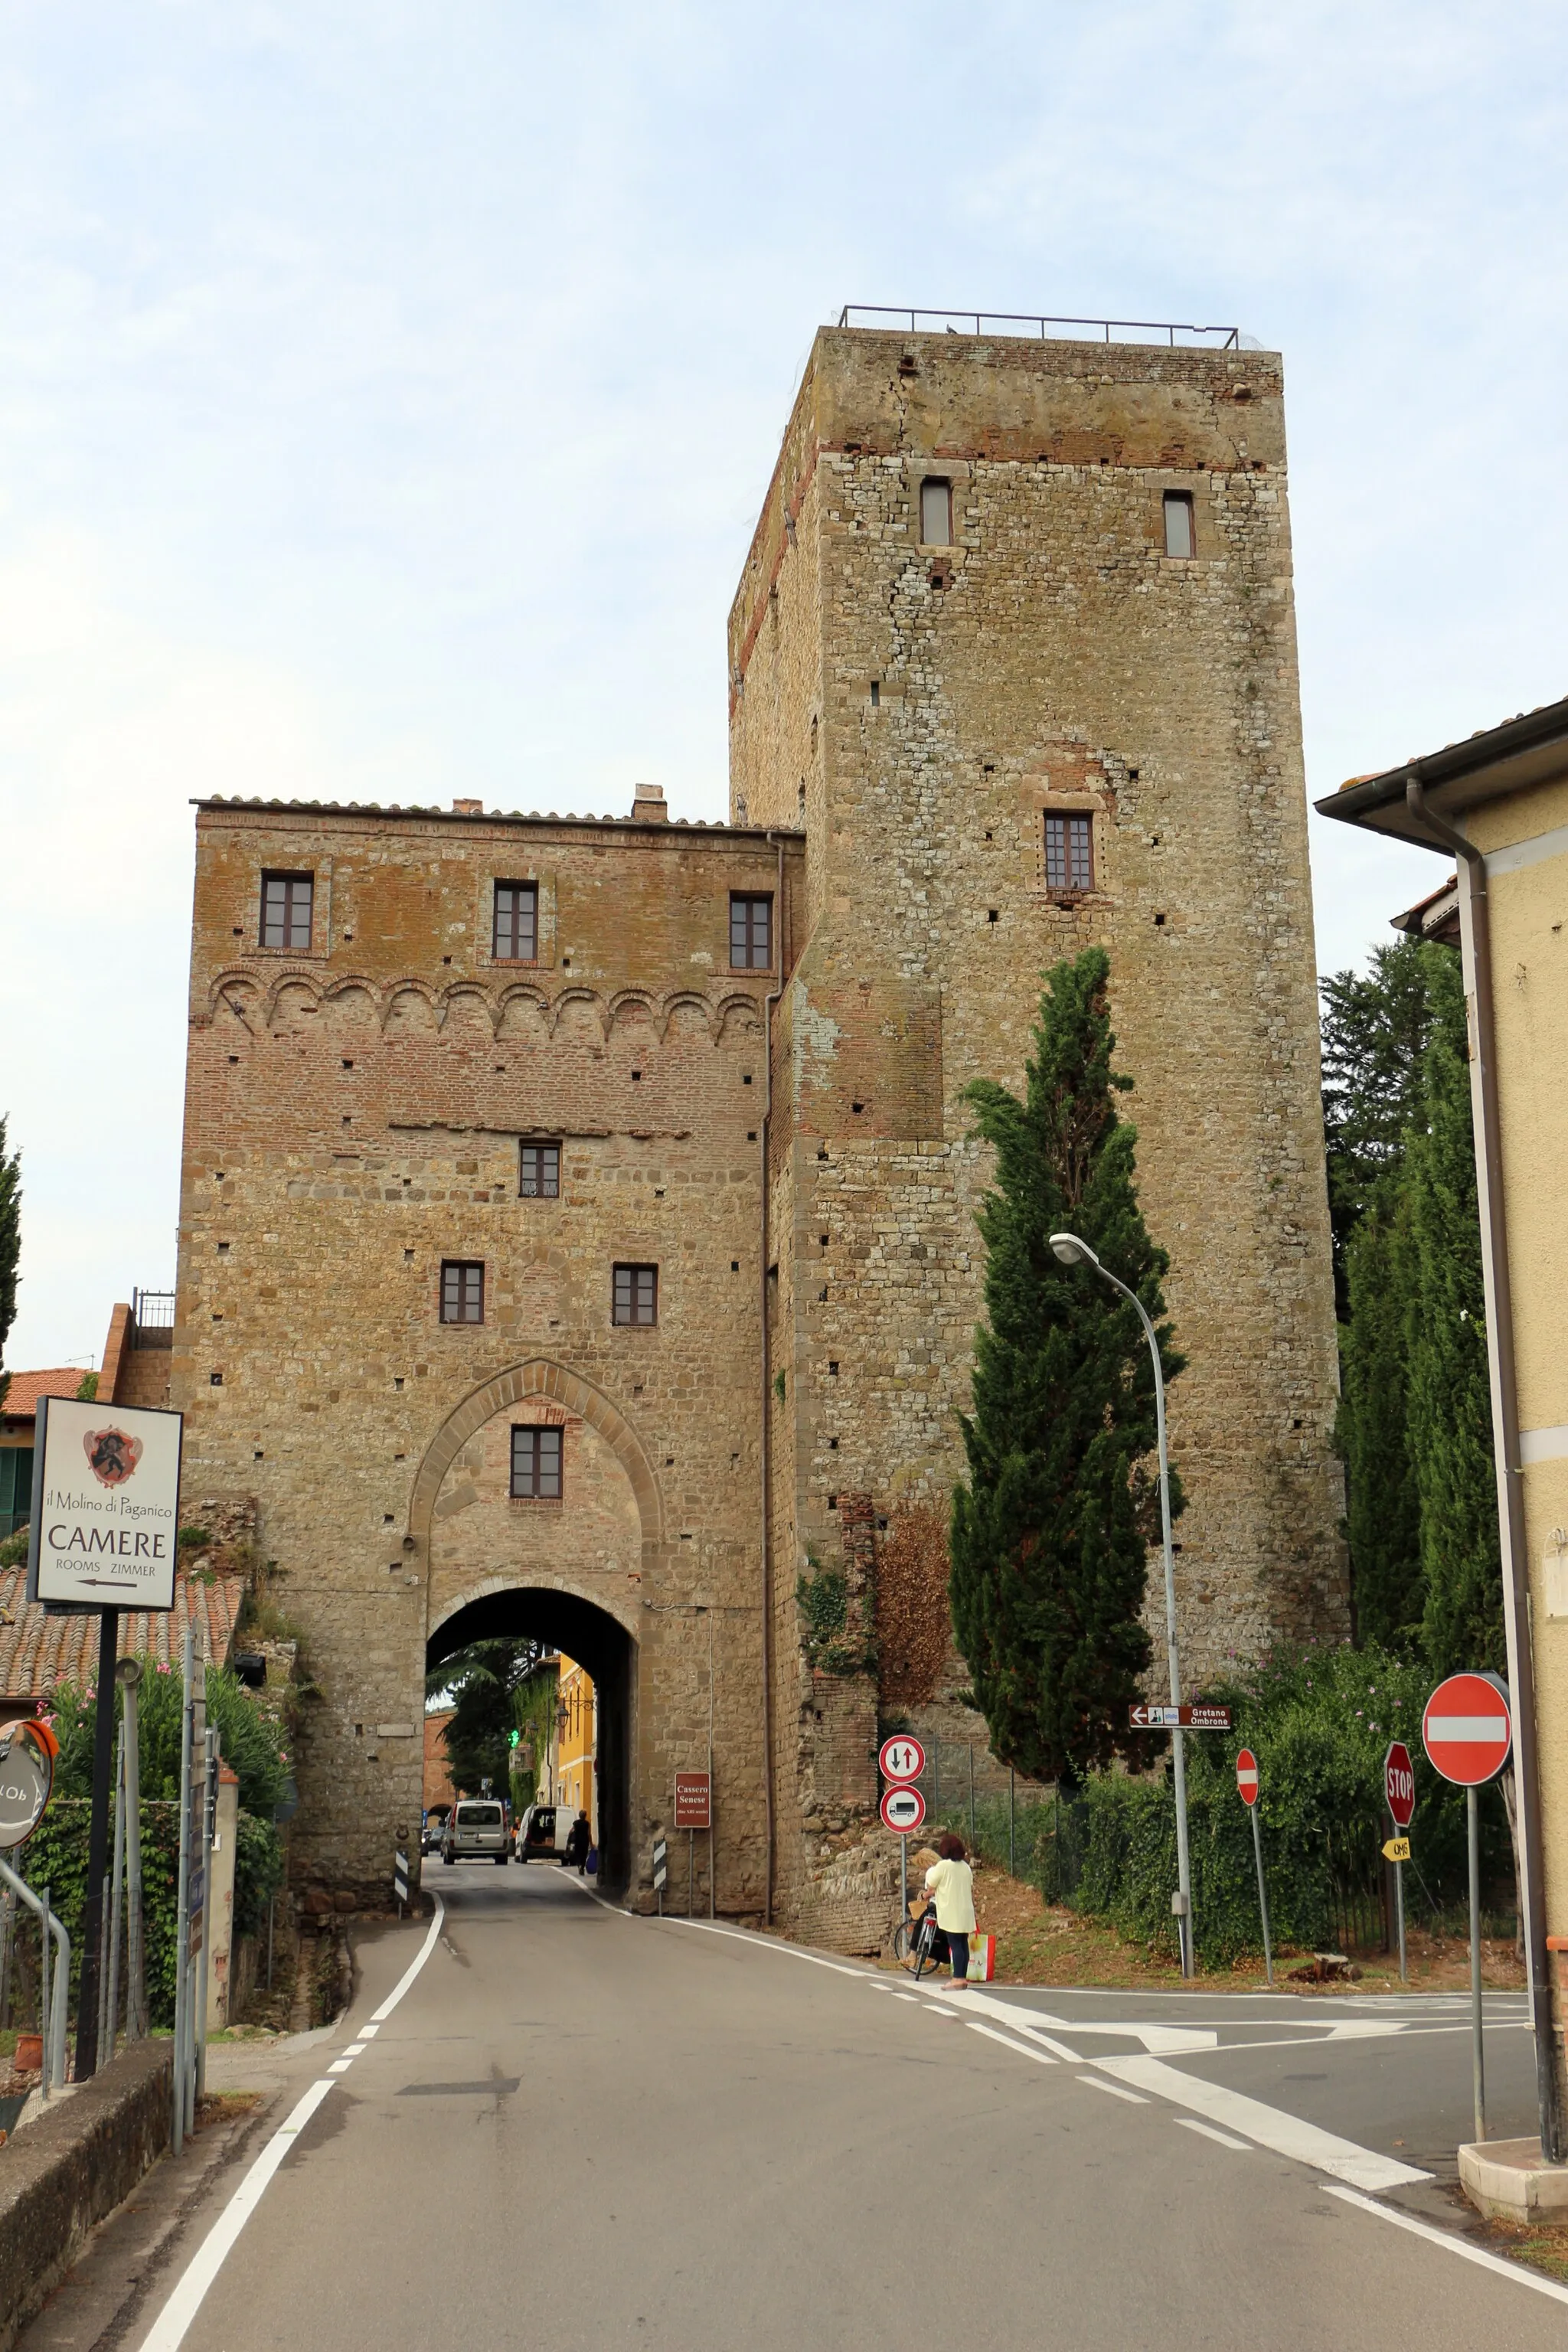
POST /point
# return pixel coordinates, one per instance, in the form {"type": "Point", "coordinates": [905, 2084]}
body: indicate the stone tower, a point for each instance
{"type": "Point", "coordinates": [1015, 646]}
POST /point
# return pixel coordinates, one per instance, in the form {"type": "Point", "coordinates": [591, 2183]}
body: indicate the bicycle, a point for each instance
{"type": "Point", "coordinates": [916, 1940]}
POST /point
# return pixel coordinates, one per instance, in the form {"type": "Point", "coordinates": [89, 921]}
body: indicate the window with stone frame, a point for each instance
{"type": "Point", "coordinates": [514, 928]}
{"type": "Point", "coordinates": [634, 1297]}
{"type": "Point", "coordinates": [750, 933]}
{"type": "Point", "coordinates": [1069, 852]}
{"type": "Point", "coordinates": [536, 1463]}
{"type": "Point", "coordinates": [462, 1290]}
{"type": "Point", "coordinates": [288, 902]}
{"type": "Point", "coordinates": [1181, 537]}
{"type": "Point", "coordinates": [539, 1171]}
{"type": "Point", "coordinates": [936, 514]}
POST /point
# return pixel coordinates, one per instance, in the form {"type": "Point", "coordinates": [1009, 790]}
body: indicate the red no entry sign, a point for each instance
{"type": "Point", "coordinates": [1466, 1730]}
{"type": "Point", "coordinates": [901, 1758]}
{"type": "Point", "coordinates": [1246, 1775]}
{"type": "Point", "coordinates": [903, 1809]}
{"type": "Point", "coordinates": [1399, 1783]}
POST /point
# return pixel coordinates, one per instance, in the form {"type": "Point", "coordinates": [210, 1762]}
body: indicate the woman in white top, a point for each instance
{"type": "Point", "coordinates": [951, 1881]}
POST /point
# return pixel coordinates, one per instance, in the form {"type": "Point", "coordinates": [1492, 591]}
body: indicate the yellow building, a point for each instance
{"type": "Point", "coordinates": [574, 1748]}
{"type": "Point", "coordinates": [1497, 804]}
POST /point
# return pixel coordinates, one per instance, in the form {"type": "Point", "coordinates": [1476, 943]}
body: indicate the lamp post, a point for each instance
{"type": "Point", "coordinates": [1071, 1250]}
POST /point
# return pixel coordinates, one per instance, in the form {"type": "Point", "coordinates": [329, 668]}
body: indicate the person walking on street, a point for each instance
{"type": "Point", "coordinates": [579, 1838]}
{"type": "Point", "coordinates": [950, 1883]}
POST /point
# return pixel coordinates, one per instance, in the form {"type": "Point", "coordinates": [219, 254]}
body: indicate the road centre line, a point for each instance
{"type": "Point", "coordinates": [1271, 2127]}
{"type": "Point", "coordinates": [168, 2330]}
{"type": "Point", "coordinates": [1212, 2131]}
{"type": "Point", "coordinates": [1115, 2089]}
{"type": "Point", "coordinates": [1456, 2245]}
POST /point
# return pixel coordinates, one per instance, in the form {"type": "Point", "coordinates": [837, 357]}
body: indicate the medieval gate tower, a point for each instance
{"type": "Point", "coordinates": [577, 1215]}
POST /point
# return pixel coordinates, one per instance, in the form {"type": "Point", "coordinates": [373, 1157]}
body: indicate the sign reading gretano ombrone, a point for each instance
{"type": "Point", "coordinates": [106, 1503]}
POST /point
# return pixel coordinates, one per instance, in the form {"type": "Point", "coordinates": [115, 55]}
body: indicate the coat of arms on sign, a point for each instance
{"type": "Point", "coordinates": [112, 1454]}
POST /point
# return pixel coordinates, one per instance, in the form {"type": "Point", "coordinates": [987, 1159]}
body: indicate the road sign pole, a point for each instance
{"type": "Point", "coordinates": [904, 1878]}
{"type": "Point", "coordinates": [1477, 2055]}
{"type": "Point", "coordinates": [1262, 1894]}
{"type": "Point", "coordinates": [97, 1848]}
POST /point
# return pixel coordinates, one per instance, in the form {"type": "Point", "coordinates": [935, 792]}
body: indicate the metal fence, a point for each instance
{"type": "Point", "coordinates": [1130, 331]}
{"type": "Point", "coordinates": [151, 1318]}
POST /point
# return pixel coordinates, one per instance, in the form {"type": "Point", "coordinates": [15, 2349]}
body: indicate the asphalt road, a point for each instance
{"type": "Point", "coordinates": [576, 2128]}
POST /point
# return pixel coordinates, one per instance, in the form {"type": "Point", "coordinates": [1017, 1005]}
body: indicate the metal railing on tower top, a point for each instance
{"type": "Point", "coordinates": [1225, 339]}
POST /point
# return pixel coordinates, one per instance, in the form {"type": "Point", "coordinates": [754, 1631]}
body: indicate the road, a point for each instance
{"type": "Point", "coordinates": [577, 2128]}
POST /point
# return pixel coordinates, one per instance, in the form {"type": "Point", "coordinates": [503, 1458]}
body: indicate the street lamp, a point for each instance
{"type": "Point", "coordinates": [1071, 1250]}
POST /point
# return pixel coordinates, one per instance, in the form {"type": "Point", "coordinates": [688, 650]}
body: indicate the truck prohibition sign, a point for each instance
{"type": "Point", "coordinates": [904, 1810]}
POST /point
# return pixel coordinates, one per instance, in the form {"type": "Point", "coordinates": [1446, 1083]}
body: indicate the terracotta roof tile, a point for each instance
{"type": "Point", "coordinates": [26, 1388]}
{"type": "Point", "coordinates": [38, 1651]}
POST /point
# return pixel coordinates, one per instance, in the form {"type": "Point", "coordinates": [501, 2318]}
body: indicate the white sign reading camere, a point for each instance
{"type": "Point", "coordinates": [106, 1503]}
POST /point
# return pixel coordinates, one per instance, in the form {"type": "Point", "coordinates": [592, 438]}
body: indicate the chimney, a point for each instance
{"type": "Point", "coordinates": [468, 808]}
{"type": "Point", "coordinates": [648, 803]}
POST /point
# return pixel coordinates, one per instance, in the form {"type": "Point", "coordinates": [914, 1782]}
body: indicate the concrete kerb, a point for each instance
{"type": "Point", "coordinates": [72, 2166]}
{"type": "Point", "coordinates": [1508, 2181]}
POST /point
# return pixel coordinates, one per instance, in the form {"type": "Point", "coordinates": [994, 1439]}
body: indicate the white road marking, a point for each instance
{"type": "Point", "coordinates": [935, 2009]}
{"type": "Point", "coordinates": [1114, 2088]}
{"type": "Point", "coordinates": [340, 2067]}
{"type": "Point", "coordinates": [168, 2330]}
{"type": "Point", "coordinates": [367, 2032]}
{"type": "Point", "coordinates": [767, 1944]}
{"type": "Point", "coordinates": [908, 1997]}
{"type": "Point", "coordinates": [1515, 2271]}
{"type": "Point", "coordinates": [355, 2050]}
{"type": "Point", "coordinates": [1007, 2043]}
{"type": "Point", "coordinates": [1169, 2039]}
{"type": "Point", "coordinates": [1271, 2127]}
{"type": "Point", "coordinates": [1211, 2131]}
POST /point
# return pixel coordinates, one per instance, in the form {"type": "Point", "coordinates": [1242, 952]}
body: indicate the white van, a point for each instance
{"type": "Point", "coordinates": [475, 1831]}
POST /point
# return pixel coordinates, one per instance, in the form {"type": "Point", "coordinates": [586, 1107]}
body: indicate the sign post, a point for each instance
{"type": "Point", "coordinates": [1251, 1790]}
{"type": "Point", "coordinates": [1467, 1730]}
{"type": "Point", "coordinates": [1399, 1788]}
{"type": "Point", "coordinates": [901, 1759]}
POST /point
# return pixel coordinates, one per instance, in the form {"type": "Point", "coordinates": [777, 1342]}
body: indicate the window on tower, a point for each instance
{"type": "Point", "coordinates": [515, 936]}
{"type": "Point", "coordinates": [1180, 537]}
{"type": "Point", "coordinates": [1070, 853]}
{"type": "Point", "coordinates": [286, 907]}
{"type": "Point", "coordinates": [936, 514]}
{"type": "Point", "coordinates": [750, 933]}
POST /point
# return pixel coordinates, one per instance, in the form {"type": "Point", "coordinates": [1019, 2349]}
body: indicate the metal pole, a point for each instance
{"type": "Point", "coordinates": [46, 2022]}
{"type": "Point", "coordinates": [936, 1782]}
{"type": "Point", "coordinates": [1262, 1892]}
{"type": "Point", "coordinates": [51, 2031]}
{"type": "Point", "coordinates": [107, 2039]}
{"type": "Point", "coordinates": [1080, 1254]}
{"type": "Point", "coordinates": [904, 1881]}
{"type": "Point", "coordinates": [210, 1808]}
{"type": "Point", "coordinates": [271, 1907]}
{"type": "Point", "coordinates": [182, 1913]}
{"type": "Point", "coordinates": [1399, 1911]}
{"type": "Point", "coordinates": [103, 1910]}
{"type": "Point", "coordinates": [972, 1780]}
{"type": "Point", "coordinates": [1478, 2058]}
{"type": "Point", "coordinates": [690, 1866]}
{"type": "Point", "coordinates": [97, 1848]}
{"type": "Point", "coordinates": [1011, 1823]}
{"type": "Point", "coordinates": [7, 1930]}
{"type": "Point", "coordinates": [129, 1671]}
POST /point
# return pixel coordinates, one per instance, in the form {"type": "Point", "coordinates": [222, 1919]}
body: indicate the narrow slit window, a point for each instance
{"type": "Point", "coordinates": [1070, 853]}
{"type": "Point", "coordinates": [635, 1296]}
{"type": "Point", "coordinates": [462, 1291]}
{"type": "Point", "coordinates": [750, 934]}
{"type": "Point", "coordinates": [287, 900]}
{"type": "Point", "coordinates": [936, 514]}
{"type": "Point", "coordinates": [1180, 538]}
{"type": "Point", "coordinates": [536, 1464]}
{"type": "Point", "coordinates": [540, 1178]}
{"type": "Point", "coordinates": [515, 930]}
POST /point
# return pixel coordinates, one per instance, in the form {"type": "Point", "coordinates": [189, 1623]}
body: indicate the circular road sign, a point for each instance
{"type": "Point", "coordinates": [1399, 1783]}
{"type": "Point", "coordinates": [1246, 1775]}
{"type": "Point", "coordinates": [25, 1775]}
{"type": "Point", "coordinates": [901, 1758]}
{"type": "Point", "coordinates": [904, 1810]}
{"type": "Point", "coordinates": [1466, 1730]}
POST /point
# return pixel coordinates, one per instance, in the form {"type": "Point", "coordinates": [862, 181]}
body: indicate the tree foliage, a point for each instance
{"type": "Point", "coordinates": [1052, 1527]}
{"type": "Point", "coordinates": [483, 1682]}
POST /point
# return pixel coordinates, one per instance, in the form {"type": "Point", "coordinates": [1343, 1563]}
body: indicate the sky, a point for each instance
{"type": "Point", "coordinates": [387, 394]}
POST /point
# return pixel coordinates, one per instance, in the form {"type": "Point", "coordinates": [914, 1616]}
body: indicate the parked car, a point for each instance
{"type": "Point", "coordinates": [475, 1831]}
{"type": "Point", "coordinates": [536, 1836]}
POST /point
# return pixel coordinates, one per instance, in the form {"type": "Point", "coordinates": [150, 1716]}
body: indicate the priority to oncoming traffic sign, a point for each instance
{"type": "Point", "coordinates": [1467, 1730]}
{"type": "Point", "coordinates": [903, 1809]}
{"type": "Point", "coordinates": [901, 1758]}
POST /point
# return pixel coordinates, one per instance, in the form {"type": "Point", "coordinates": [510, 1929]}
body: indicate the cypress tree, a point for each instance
{"type": "Point", "coordinates": [1450, 1415]}
{"type": "Point", "coordinates": [1382, 1518]}
{"type": "Point", "coordinates": [1052, 1529]}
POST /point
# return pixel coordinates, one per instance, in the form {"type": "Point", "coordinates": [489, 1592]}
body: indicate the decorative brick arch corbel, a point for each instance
{"type": "Point", "coordinates": [539, 1377]}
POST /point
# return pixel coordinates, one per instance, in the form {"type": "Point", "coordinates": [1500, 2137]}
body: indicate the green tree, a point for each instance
{"type": "Point", "coordinates": [1450, 1413]}
{"type": "Point", "coordinates": [1051, 1530]}
{"type": "Point", "coordinates": [10, 1245]}
{"type": "Point", "coordinates": [481, 1682]}
{"type": "Point", "coordinates": [1374, 1028]}
{"type": "Point", "coordinates": [1382, 1508]}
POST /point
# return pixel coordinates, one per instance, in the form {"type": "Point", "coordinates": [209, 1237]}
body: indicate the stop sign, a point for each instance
{"type": "Point", "coordinates": [1399, 1782]}
{"type": "Point", "coordinates": [1467, 1730]}
{"type": "Point", "coordinates": [1246, 1775]}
